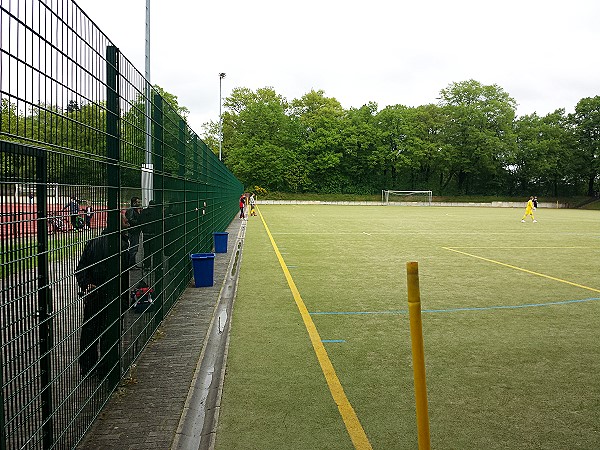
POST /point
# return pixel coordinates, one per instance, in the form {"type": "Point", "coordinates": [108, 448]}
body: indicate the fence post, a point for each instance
{"type": "Point", "coordinates": [196, 190]}
{"type": "Point", "coordinates": [158, 146]}
{"type": "Point", "coordinates": [206, 202]}
{"type": "Point", "coordinates": [113, 179]}
{"type": "Point", "coordinates": [179, 222]}
{"type": "Point", "coordinates": [44, 298]}
{"type": "Point", "coordinates": [112, 136]}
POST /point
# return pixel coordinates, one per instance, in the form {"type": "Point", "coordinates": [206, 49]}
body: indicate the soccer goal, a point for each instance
{"type": "Point", "coordinates": [406, 196]}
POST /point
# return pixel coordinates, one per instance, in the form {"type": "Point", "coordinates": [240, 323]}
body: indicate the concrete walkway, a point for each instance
{"type": "Point", "coordinates": [169, 399]}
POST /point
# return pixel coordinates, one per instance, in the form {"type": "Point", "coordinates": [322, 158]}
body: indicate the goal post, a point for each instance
{"type": "Point", "coordinates": [424, 197]}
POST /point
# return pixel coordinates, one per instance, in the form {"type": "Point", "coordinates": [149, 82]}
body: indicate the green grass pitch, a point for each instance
{"type": "Point", "coordinates": [511, 324]}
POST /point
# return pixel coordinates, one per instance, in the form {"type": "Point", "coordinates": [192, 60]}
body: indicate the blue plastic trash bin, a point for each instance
{"type": "Point", "coordinates": [204, 267]}
{"type": "Point", "coordinates": [220, 240]}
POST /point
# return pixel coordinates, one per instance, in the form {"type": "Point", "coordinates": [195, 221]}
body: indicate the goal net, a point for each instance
{"type": "Point", "coordinates": [423, 197]}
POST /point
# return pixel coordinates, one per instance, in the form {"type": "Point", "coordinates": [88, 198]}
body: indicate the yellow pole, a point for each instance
{"type": "Point", "coordinates": [418, 354]}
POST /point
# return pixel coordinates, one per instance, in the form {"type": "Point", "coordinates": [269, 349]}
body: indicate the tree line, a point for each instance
{"type": "Point", "coordinates": [471, 142]}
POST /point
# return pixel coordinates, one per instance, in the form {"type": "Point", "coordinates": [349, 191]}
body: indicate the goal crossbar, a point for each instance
{"type": "Point", "coordinates": [385, 195]}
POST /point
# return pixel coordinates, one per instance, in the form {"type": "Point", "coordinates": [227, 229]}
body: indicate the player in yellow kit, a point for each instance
{"type": "Point", "coordinates": [529, 210]}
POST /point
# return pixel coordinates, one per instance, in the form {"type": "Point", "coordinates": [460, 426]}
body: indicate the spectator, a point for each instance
{"type": "Point", "coordinates": [88, 215]}
{"type": "Point", "coordinates": [151, 219]}
{"type": "Point", "coordinates": [93, 274]}
{"type": "Point", "coordinates": [134, 217]}
{"type": "Point", "coordinates": [242, 205]}
{"type": "Point", "coordinates": [73, 207]}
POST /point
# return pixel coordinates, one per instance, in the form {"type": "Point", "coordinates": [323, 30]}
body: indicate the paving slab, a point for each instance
{"type": "Point", "coordinates": [148, 408]}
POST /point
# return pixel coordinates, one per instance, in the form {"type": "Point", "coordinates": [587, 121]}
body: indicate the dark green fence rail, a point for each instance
{"type": "Point", "coordinates": [79, 122]}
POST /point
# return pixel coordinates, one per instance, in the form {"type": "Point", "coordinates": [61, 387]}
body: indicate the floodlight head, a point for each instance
{"type": "Point", "coordinates": [222, 75]}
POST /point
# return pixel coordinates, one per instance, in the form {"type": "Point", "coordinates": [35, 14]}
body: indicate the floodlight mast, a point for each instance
{"type": "Point", "coordinates": [221, 76]}
{"type": "Point", "coordinates": [147, 180]}
{"type": "Point", "coordinates": [148, 88]}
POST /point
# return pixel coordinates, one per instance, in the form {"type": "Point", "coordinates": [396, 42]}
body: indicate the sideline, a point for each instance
{"type": "Point", "coordinates": [353, 426]}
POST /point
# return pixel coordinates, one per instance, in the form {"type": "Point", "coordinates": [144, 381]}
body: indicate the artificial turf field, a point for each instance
{"type": "Point", "coordinates": [511, 326]}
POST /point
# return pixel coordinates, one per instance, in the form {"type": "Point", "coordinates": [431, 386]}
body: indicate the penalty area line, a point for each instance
{"type": "Point", "coordinates": [522, 270]}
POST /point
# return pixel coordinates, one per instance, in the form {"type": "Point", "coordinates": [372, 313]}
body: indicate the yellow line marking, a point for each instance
{"type": "Point", "coordinates": [523, 270]}
{"type": "Point", "coordinates": [353, 426]}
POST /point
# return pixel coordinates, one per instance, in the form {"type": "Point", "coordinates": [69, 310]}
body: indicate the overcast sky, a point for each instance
{"type": "Point", "coordinates": [544, 53]}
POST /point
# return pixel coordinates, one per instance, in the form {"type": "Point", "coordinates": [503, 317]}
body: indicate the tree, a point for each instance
{"type": "Point", "coordinates": [72, 106]}
{"type": "Point", "coordinates": [319, 120]}
{"type": "Point", "coordinates": [172, 100]}
{"type": "Point", "coordinates": [360, 169]}
{"type": "Point", "coordinates": [134, 133]}
{"type": "Point", "coordinates": [257, 129]}
{"type": "Point", "coordinates": [428, 150]}
{"type": "Point", "coordinates": [392, 153]}
{"type": "Point", "coordinates": [479, 133]}
{"type": "Point", "coordinates": [542, 161]}
{"type": "Point", "coordinates": [525, 161]}
{"type": "Point", "coordinates": [587, 130]}
{"type": "Point", "coordinates": [557, 172]}
{"type": "Point", "coordinates": [9, 120]}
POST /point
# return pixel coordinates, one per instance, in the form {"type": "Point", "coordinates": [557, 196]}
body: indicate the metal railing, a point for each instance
{"type": "Point", "coordinates": [73, 153]}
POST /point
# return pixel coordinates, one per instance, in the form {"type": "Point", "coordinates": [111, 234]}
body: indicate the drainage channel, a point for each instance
{"type": "Point", "coordinates": [198, 423]}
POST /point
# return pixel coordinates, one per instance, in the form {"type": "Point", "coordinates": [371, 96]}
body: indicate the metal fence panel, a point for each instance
{"type": "Point", "coordinates": [75, 148]}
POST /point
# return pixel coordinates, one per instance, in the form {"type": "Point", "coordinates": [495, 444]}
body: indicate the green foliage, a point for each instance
{"type": "Point", "coordinates": [478, 132]}
{"type": "Point", "coordinates": [469, 143]}
{"type": "Point", "coordinates": [80, 131]}
{"type": "Point", "coordinates": [9, 119]}
{"type": "Point", "coordinates": [587, 123]}
{"type": "Point", "coordinates": [259, 141]}
{"type": "Point", "coordinates": [544, 156]}
{"type": "Point", "coordinates": [259, 191]}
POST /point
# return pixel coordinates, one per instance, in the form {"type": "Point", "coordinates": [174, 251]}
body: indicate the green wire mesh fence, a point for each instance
{"type": "Point", "coordinates": [82, 134]}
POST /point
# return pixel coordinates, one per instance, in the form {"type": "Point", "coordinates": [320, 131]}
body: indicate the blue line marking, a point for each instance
{"type": "Point", "coordinates": [336, 341]}
{"type": "Point", "coordinates": [474, 308]}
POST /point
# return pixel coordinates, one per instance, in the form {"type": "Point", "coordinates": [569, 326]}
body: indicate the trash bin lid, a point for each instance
{"type": "Point", "coordinates": [202, 255]}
